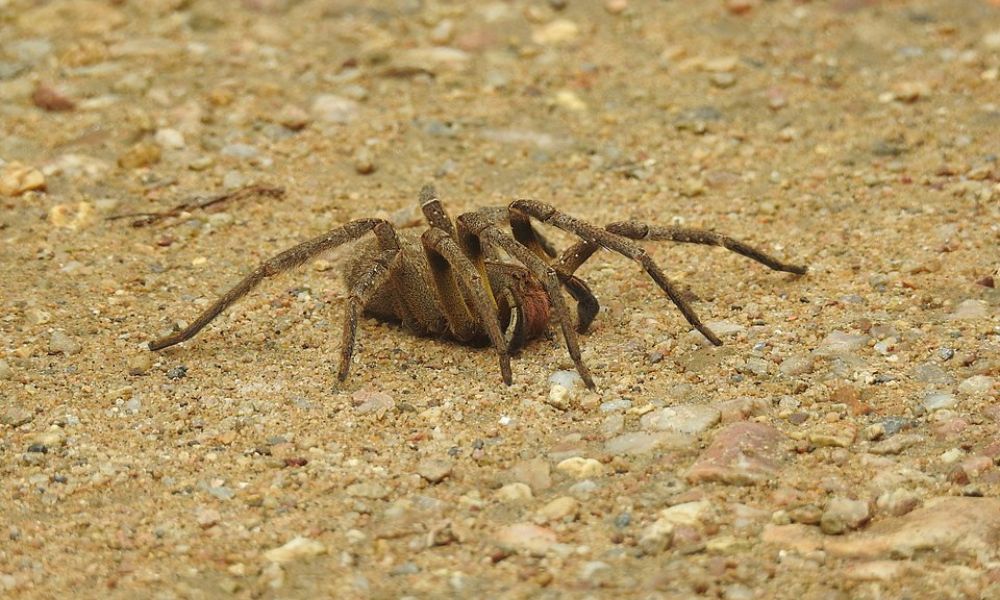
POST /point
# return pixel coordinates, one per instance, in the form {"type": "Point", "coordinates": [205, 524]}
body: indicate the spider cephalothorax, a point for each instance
{"type": "Point", "coordinates": [476, 283]}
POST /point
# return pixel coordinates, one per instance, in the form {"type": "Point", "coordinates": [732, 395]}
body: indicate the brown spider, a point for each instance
{"type": "Point", "coordinates": [460, 286]}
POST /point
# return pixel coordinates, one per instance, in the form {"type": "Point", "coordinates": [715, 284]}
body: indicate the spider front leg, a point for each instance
{"type": "Point", "coordinates": [568, 262]}
{"type": "Point", "coordinates": [371, 280]}
{"type": "Point", "coordinates": [565, 265]}
{"type": "Point", "coordinates": [475, 229]}
{"type": "Point", "coordinates": [447, 260]}
{"type": "Point", "coordinates": [280, 263]}
{"type": "Point", "coordinates": [382, 268]}
{"type": "Point", "coordinates": [521, 209]}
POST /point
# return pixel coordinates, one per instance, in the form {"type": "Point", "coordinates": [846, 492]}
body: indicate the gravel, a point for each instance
{"type": "Point", "coordinates": [842, 442]}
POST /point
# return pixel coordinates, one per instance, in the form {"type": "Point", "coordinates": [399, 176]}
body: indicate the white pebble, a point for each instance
{"type": "Point", "coordinates": [169, 138]}
{"type": "Point", "coordinates": [59, 342]}
{"type": "Point", "coordinates": [977, 385]}
{"type": "Point", "coordinates": [334, 109]}
{"type": "Point", "coordinates": [297, 548]}
{"type": "Point", "coordinates": [513, 492]}
{"type": "Point", "coordinates": [581, 468]}
{"type": "Point", "coordinates": [563, 507]}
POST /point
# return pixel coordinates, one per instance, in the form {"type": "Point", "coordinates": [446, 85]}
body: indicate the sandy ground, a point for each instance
{"type": "Point", "coordinates": [841, 444]}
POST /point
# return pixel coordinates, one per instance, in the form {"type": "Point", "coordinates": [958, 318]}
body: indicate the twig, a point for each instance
{"type": "Point", "coordinates": [200, 203]}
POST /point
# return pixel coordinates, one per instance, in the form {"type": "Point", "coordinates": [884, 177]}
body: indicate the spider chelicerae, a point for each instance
{"type": "Point", "coordinates": [473, 282]}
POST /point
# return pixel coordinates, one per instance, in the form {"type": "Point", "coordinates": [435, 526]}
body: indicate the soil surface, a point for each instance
{"type": "Point", "coordinates": [842, 443]}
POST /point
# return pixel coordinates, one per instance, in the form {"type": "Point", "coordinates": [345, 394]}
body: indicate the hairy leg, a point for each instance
{"type": "Point", "coordinates": [434, 211]}
{"type": "Point", "coordinates": [587, 305]}
{"type": "Point", "coordinates": [446, 261]}
{"type": "Point", "coordinates": [616, 243]}
{"type": "Point", "coordinates": [474, 229]}
{"type": "Point", "coordinates": [284, 261]}
{"type": "Point", "coordinates": [637, 230]}
{"type": "Point", "coordinates": [377, 274]}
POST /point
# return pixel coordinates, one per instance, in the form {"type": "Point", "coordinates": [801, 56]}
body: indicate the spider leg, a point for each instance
{"type": "Point", "coordinates": [446, 261]}
{"type": "Point", "coordinates": [474, 229]}
{"type": "Point", "coordinates": [280, 263]}
{"type": "Point", "coordinates": [375, 277]}
{"type": "Point", "coordinates": [500, 216]}
{"type": "Point", "coordinates": [434, 212]}
{"type": "Point", "coordinates": [616, 243]}
{"type": "Point", "coordinates": [637, 230]}
{"type": "Point", "coordinates": [565, 265]}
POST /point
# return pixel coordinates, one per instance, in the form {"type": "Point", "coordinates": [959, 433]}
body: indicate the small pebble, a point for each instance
{"type": "Point", "coordinates": [16, 179]}
{"type": "Point", "coordinates": [969, 310]}
{"type": "Point", "coordinates": [559, 31]}
{"type": "Point", "coordinates": [596, 573]}
{"type": "Point", "coordinates": [559, 397]}
{"type": "Point", "coordinates": [59, 342]}
{"type": "Point", "coordinates": [692, 419]}
{"type": "Point", "coordinates": [169, 138]}
{"type": "Point", "coordinates": [296, 549]}
{"type": "Point", "coordinates": [657, 537]}
{"type": "Point", "coordinates": [140, 364]}
{"type": "Point", "coordinates": [436, 59]}
{"type": "Point", "coordinates": [895, 444]}
{"type": "Point", "coordinates": [581, 468]}
{"type": "Point", "coordinates": [6, 372]}
{"type": "Point", "coordinates": [292, 117]}
{"type": "Point", "coordinates": [615, 405]}
{"type": "Point", "coordinates": [842, 515]}
{"type": "Point", "coordinates": [368, 489]}
{"type": "Point", "coordinates": [615, 7]}
{"type": "Point", "coordinates": [531, 538]}
{"type": "Point", "coordinates": [369, 402]}
{"type": "Point", "coordinates": [740, 7]}
{"type": "Point", "coordinates": [234, 180]}
{"type": "Point", "coordinates": [207, 517]}
{"type": "Point", "coordinates": [535, 472]}
{"type": "Point", "coordinates": [72, 215]}
{"type": "Point", "coordinates": [837, 435]}
{"type": "Point", "coordinates": [563, 507]}
{"type": "Point", "coordinates": [898, 502]}
{"type": "Point", "coordinates": [938, 401]}
{"type": "Point", "coordinates": [334, 109]}
{"type": "Point", "coordinates": [364, 162]}
{"type": "Point", "coordinates": [977, 385]}
{"type": "Point", "coordinates": [841, 342]}
{"type": "Point", "coordinates": [15, 416]}
{"type": "Point", "coordinates": [239, 151]}
{"type": "Point", "coordinates": [406, 568]}
{"type": "Point", "coordinates": [583, 489]}
{"type": "Point", "coordinates": [513, 492]}
{"type": "Point", "coordinates": [51, 98]}
{"type": "Point", "coordinates": [140, 155]}
{"type": "Point", "coordinates": [797, 365]}
{"type": "Point", "coordinates": [52, 438]}
{"type": "Point", "coordinates": [178, 372]}
{"type": "Point", "coordinates": [570, 101]}
{"type": "Point", "coordinates": [723, 80]}
{"type": "Point", "coordinates": [434, 470]}
{"type": "Point", "coordinates": [443, 32]}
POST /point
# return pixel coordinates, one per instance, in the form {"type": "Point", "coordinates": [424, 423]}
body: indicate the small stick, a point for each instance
{"type": "Point", "coordinates": [200, 202]}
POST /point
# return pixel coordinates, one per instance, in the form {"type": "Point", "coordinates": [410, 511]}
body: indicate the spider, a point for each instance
{"type": "Point", "coordinates": [470, 281]}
